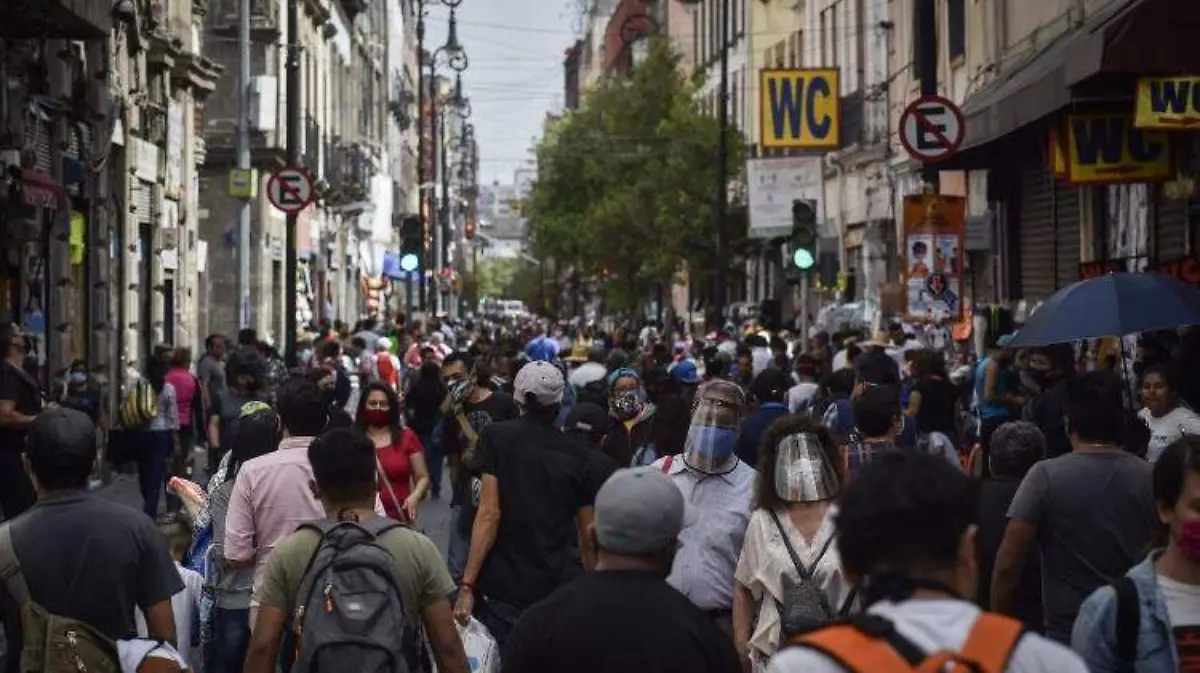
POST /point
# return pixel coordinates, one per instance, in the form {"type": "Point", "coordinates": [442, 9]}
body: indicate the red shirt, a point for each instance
{"type": "Point", "coordinates": [396, 461]}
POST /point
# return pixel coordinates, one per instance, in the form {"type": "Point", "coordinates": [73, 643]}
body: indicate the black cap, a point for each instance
{"type": "Point", "coordinates": [61, 436]}
{"type": "Point", "coordinates": [587, 417]}
{"type": "Point", "coordinates": [771, 383]}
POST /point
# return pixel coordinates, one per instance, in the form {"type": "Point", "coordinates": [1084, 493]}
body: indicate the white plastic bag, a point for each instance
{"type": "Point", "coordinates": [483, 654]}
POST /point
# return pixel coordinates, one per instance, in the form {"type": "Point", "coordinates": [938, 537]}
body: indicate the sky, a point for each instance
{"type": "Point", "coordinates": [515, 76]}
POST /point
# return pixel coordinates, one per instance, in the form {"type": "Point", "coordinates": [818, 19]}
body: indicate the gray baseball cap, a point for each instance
{"type": "Point", "coordinates": [640, 511]}
{"type": "Point", "coordinates": [61, 435]}
{"type": "Point", "coordinates": [543, 380]}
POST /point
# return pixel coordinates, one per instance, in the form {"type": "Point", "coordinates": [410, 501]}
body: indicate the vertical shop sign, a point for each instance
{"type": "Point", "coordinates": [933, 257]}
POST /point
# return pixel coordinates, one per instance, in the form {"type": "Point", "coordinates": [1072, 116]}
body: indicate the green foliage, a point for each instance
{"type": "Point", "coordinates": [509, 279]}
{"type": "Point", "coordinates": [627, 184]}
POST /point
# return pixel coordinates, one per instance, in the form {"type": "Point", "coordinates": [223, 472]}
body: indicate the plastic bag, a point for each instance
{"type": "Point", "coordinates": [483, 653]}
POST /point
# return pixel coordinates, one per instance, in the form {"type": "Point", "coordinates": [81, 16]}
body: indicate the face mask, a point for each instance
{"type": "Point", "coordinates": [304, 355]}
{"type": "Point", "coordinates": [460, 390]}
{"type": "Point", "coordinates": [376, 418]}
{"type": "Point", "coordinates": [78, 378]}
{"type": "Point", "coordinates": [1189, 539]}
{"type": "Point", "coordinates": [627, 403]}
{"type": "Point", "coordinates": [708, 448]}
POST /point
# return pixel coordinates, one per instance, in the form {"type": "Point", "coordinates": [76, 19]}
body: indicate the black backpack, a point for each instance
{"type": "Point", "coordinates": [350, 615]}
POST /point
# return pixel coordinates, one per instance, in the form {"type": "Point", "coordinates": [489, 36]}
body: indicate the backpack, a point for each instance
{"type": "Point", "coordinates": [1129, 618]}
{"type": "Point", "coordinates": [385, 370]}
{"type": "Point", "coordinates": [805, 607]}
{"type": "Point", "coordinates": [52, 643]}
{"type": "Point", "coordinates": [350, 614]}
{"type": "Point", "coordinates": [140, 406]}
{"type": "Point", "coordinates": [871, 644]}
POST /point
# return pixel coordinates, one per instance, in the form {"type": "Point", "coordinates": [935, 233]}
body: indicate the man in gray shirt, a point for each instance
{"type": "Point", "coordinates": [1090, 512]}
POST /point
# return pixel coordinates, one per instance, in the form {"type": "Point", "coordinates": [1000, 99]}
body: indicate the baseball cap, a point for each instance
{"type": "Point", "coordinates": [61, 436]}
{"type": "Point", "coordinates": [686, 372]}
{"type": "Point", "coordinates": [588, 418]}
{"type": "Point", "coordinates": [639, 511]}
{"type": "Point", "coordinates": [541, 379]}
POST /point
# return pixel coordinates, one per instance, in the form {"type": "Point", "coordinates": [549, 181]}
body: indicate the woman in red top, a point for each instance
{"type": "Point", "coordinates": [401, 458]}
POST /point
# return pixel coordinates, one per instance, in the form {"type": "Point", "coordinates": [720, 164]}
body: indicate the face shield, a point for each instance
{"type": "Point", "coordinates": [802, 473]}
{"type": "Point", "coordinates": [716, 422]}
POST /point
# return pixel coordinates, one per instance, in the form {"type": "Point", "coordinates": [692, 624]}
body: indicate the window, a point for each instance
{"type": "Point", "coordinates": [779, 53]}
{"type": "Point", "coordinates": [956, 18]}
{"type": "Point", "coordinates": [916, 38]}
{"type": "Point", "coordinates": [834, 42]}
{"type": "Point", "coordinates": [734, 100]}
{"type": "Point", "coordinates": [696, 59]}
{"type": "Point", "coordinates": [860, 42]}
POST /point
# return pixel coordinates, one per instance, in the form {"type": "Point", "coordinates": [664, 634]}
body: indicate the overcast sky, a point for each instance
{"type": "Point", "coordinates": [515, 76]}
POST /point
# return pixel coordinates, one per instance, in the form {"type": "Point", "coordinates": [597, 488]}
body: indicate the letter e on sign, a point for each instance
{"type": "Point", "coordinates": [291, 189]}
{"type": "Point", "coordinates": [932, 129]}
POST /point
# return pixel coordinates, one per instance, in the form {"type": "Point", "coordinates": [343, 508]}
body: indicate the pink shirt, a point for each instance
{"type": "Point", "coordinates": [270, 499]}
{"type": "Point", "coordinates": [185, 393]}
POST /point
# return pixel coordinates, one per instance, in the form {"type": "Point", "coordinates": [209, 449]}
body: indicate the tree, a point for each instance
{"type": "Point", "coordinates": [626, 185]}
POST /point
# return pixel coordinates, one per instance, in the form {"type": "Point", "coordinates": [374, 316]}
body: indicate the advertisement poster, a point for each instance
{"type": "Point", "coordinates": [933, 257]}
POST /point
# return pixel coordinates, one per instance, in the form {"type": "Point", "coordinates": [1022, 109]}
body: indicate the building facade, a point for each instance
{"type": "Point", "coordinates": [1048, 202]}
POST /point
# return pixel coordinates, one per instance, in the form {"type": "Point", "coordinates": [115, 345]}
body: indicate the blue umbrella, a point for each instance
{"type": "Point", "coordinates": [1113, 305]}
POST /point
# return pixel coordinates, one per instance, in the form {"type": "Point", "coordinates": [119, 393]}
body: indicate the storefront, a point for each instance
{"type": "Point", "coordinates": [1049, 233]}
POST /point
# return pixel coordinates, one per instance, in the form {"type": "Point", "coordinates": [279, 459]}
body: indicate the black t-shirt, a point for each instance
{"type": "Point", "coordinates": [16, 385]}
{"type": "Point", "coordinates": [937, 410]}
{"type": "Point", "coordinates": [89, 559]}
{"type": "Point", "coordinates": [995, 497]}
{"type": "Point", "coordinates": [543, 481]}
{"type": "Point", "coordinates": [493, 409]}
{"type": "Point", "coordinates": [619, 622]}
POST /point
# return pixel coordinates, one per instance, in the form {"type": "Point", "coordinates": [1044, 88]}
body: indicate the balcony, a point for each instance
{"type": "Point", "coordinates": [264, 19]}
{"type": "Point", "coordinates": [349, 173]}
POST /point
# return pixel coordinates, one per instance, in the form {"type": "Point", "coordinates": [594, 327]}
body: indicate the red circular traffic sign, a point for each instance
{"type": "Point", "coordinates": [932, 128]}
{"type": "Point", "coordinates": [291, 189]}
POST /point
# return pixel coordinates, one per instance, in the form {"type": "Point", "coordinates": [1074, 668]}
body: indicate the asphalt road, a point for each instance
{"type": "Point", "coordinates": [434, 519]}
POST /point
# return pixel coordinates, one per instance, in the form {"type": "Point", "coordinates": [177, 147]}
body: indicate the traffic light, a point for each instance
{"type": "Point", "coordinates": [804, 233]}
{"type": "Point", "coordinates": [411, 243]}
{"type": "Point", "coordinates": [469, 230]}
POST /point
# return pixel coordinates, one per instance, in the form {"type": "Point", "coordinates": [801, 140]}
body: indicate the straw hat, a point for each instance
{"type": "Point", "coordinates": [579, 352]}
{"type": "Point", "coordinates": [878, 340]}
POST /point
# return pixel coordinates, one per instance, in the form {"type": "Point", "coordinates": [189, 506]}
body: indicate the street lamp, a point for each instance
{"type": "Point", "coordinates": [456, 59]}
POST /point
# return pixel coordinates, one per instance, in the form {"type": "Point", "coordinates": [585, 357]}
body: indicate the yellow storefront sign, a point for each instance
{"type": "Point", "coordinates": [799, 108]}
{"type": "Point", "coordinates": [1106, 149]}
{"type": "Point", "coordinates": [1168, 103]}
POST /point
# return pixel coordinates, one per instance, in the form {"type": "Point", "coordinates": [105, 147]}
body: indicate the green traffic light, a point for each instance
{"type": "Point", "coordinates": [409, 262]}
{"type": "Point", "coordinates": [803, 259]}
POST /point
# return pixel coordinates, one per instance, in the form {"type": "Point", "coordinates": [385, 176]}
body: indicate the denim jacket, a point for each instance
{"type": "Point", "coordinates": [1094, 636]}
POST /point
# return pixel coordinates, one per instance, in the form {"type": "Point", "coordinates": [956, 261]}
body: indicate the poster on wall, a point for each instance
{"type": "Point", "coordinates": [933, 257]}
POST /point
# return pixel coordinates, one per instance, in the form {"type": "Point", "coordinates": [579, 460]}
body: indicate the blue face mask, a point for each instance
{"type": "Point", "coordinates": [708, 448]}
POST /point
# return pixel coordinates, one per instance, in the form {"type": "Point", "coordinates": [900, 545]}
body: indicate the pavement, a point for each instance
{"type": "Point", "coordinates": [434, 518]}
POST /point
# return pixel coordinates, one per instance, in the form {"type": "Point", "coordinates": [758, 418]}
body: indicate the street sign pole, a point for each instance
{"type": "Point", "coordinates": [243, 162]}
{"type": "Point", "coordinates": [927, 52]}
{"type": "Point", "coordinates": [291, 250]}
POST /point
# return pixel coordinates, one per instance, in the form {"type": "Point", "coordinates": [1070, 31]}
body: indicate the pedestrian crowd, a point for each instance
{"type": "Point", "coordinates": [619, 501]}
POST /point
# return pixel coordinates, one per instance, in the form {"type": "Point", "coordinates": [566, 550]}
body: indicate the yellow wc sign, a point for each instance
{"type": "Point", "coordinates": [799, 108]}
{"type": "Point", "coordinates": [1106, 148]}
{"type": "Point", "coordinates": [1168, 103]}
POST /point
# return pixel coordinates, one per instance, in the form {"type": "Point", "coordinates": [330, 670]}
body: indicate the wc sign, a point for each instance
{"type": "Point", "coordinates": [800, 109]}
{"type": "Point", "coordinates": [1107, 149]}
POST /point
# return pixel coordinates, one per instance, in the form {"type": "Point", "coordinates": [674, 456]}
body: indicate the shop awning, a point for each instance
{"type": "Point", "coordinates": [1144, 37]}
{"type": "Point", "coordinates": [1035, 87]}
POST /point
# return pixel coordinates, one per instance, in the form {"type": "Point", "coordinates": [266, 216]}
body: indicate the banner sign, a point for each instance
{"type": "Point", "coordinates": [799, 108]}
{"type": "Point", "coordinates": [933, 257]}
{"type": "Point", "coordinates": [1167, 103]}
{"type": "Point", "coordinates": [772, 185]}
{"type": "Point", "coordinates": [1185, 268]}
{"type": "Point", "coordinates": [1107, 149]}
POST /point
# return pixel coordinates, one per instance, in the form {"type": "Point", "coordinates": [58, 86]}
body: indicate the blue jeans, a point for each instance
{"type": "Point", "coordinates": [435, 459]}
{"type": "Point", "coordinates": [458, 547]}
{"type": "Point", "coordinates": [231, 636]}
{"type": "Point", "coordinates": [152, 467]}
{"type": "Point", "coordinates": [500, 620]}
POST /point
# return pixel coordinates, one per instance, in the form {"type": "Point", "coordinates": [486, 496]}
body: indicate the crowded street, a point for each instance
{"type": "Point", "coordinates": [599, 336]}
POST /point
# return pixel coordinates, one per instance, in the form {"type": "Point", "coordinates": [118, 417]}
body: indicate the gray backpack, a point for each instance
{"type": "Point", "coordinates": [350, 615]}
{"type": "Point", "coordinates": [805, 607]}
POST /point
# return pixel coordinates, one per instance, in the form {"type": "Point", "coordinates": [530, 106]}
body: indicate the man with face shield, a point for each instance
{"type": "Point", "coordinates": [720, 487]}
{"type": "Point", "coordinates": [789, 575]}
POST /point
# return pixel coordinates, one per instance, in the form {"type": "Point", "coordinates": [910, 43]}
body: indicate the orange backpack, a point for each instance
{"type": "Point", "coordinates": [871, 644]}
